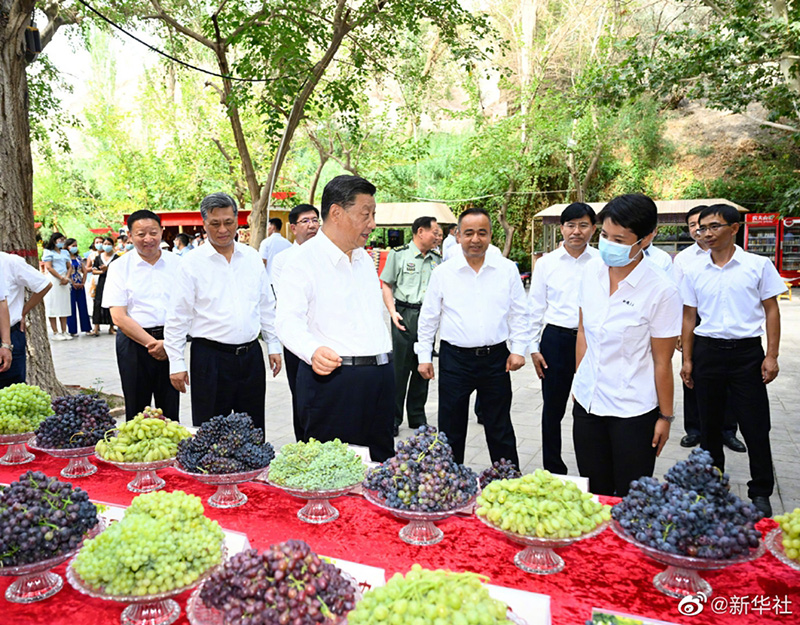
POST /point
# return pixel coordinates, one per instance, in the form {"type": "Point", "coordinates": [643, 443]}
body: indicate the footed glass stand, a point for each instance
{"type": "Point", "coordinates": [16, 452]}
{"type": "Point", "coordinates": [146, 479]}
{"type": "Point", "coordinates": [78, 465]}
{"type": "Point", "coordinates": [227, 495]}
{"type": "Point", "coordinates": [681, 577]}
{"type": "Point", "coordinates": [420, 529]}
{"type": "Point", "coordinates": [538, 556]}
{"type": "Point", "coordinates": [318, 509]}
{"type": "Point", "coordinates": [774, 543]}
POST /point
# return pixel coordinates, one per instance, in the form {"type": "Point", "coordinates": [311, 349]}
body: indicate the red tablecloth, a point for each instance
{"type": "Point", "coordinates": [604, 572]}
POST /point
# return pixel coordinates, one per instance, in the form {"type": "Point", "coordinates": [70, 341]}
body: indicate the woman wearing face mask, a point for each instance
{"type": "Point", "coordinates": [102, 315]}
{"type": "Point", "coordinates": [630, 319]}
{"type": "Point", "coordinates": [57, 301]}
{"type": "Point", "coordinates": [77, 278]}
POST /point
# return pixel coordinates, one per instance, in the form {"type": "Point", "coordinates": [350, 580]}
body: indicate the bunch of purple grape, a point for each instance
{"type": "Point", "coordinates": [501, 470]}
{"type": "Point", "coordinates": [225, 444]}
{"type": "Point", "coordinates": [692, 513]}
{"type": "Point", "coordinates": [41, 518]}
{"type": "Point", "coordinates": [423, 475]}
{"type": "Point", "coordinates": [79, 421]}
{"type": "Point", "coordinates": [286, 584]}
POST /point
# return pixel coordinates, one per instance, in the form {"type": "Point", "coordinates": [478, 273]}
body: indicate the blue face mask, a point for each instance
{"type": "Point", "coordinates": [616, 254]}
{"type": "Point", "coordinates": [60, 244]}
{"type": "Point", "coordinates": [108, 248]}
{"type": "Point", "coordinates": [73, 250]}
{"type": "Point", "coordinates": [129, 246]}
{"type": "Point", "coordinates": [98, 246]}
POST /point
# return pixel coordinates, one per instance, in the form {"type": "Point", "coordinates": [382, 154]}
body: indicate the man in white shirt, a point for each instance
{"type": "Point", "coordinates": [274, 244]}
{"type": "Point", "coordinates": [19, 276]}
{"type": "Point", "coordinates": [137, 293]}
{"type": "Point", "coordinates": [181, 244]}
{"type": "Point", "coordinates": [477, 301]}
{"type": "Point", "coordinates": [304, 224]}
{"type": "Point", "coordinates": [222, 299]}
{"type": "Point", "coordinates": [660, 259]}
{"type": "Point", "coordinates": [735, 293]}
{"type": "Point", "coordinates": [691, 418]}
{"type": "Point", "coordinates": [330, 313]}
{"type": "Point", "coordinates": [450, 239]}
{"type": "Point", "coordinates": [553, 304]}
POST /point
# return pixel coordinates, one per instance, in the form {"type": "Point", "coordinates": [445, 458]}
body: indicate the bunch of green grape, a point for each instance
{"type": "Point", "coordinates": [143, 439]}
{"type": "Point", "coordinates": [316, 466]}
{"type": "Point", "coordinates": [163, 542]}
{"type": "Point", "coordinates": [542, 505]}
{"type": "Point", "coordinates": [790, 524]}
{"type": "Point", "coordinates": [426, 597]}
{"type": "Point", "coordinates": [22, 408]}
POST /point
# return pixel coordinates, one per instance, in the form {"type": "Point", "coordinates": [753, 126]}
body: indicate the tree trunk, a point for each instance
{"type": "Point", "coordinates": [323, 158]}
{"type": "Point", "coordinates": [508, 229]}
{"type": "Point", "coordinates": [16, 179]}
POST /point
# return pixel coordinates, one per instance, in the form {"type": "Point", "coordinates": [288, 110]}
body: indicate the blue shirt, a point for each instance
{"type": "Point", "coordinates": [59, 258]}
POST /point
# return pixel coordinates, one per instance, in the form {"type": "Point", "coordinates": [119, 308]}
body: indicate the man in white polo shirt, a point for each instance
{"type": "Point", "coordinates": [735, 294]}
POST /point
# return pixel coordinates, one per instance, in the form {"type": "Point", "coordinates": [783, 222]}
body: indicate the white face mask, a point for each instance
{"type": "Point", "coordinates": [616, 254]}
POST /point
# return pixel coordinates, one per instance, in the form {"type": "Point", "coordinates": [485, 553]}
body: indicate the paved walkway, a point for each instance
{"type": "Point", "coordinates": [90, 361]}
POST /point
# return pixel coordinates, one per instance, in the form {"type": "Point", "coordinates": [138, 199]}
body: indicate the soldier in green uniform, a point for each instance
{"type": "Point", "coordinates": [405, 279]}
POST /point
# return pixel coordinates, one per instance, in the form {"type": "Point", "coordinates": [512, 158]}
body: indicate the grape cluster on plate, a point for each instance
{"type": "Point", "coordinates": [163, 542]}
{"type": "Point", "coordinates": [286, 584]}
{"type": "Point", "coordinates": [225, 444]}
{"type": "Point", "coordinates": [79, 421]}
{"type": "Point", "coordinates": [316, 466]}
{"type": "Point", "coordinates": [22, 408]}
{"type": "Point", "coordinates": [692, 513]}
{"type": "Point", "coordinates": [41, 518]}
{"type": "Point", "coordinates": [790, 528]}
{"type": "Point", "coordinates": [428, 598]}
{"type": "Point", "coordinates": [501, 470]}
{"type": "Point", "coordinates": [143, 439]}
{"type": "Point", "coordinates": [423, 476]}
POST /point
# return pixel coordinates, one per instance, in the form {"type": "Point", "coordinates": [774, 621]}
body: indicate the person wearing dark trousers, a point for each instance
{"type": "Point", "coordinates": [20, 276]}
{"type": "Point", "coordinates": [304, 224]}
{"type": "Point", "coordinates": [553, 304]}
{"type": "Point", "coordinates": [405, 278]}
{"type": "Point", "coordinates": [477, 302]}
{"type": "Point", "coordinates": [691, 416]}
{"type": "Point", "coordinates": [77, 272]}
{"type": "Point", "coordinates": [629, 323]}
{"type": "Point", "coordinates": [222, 298]}
{"type": "Point", "coordinates": [735, 294]}
{"type": "Point", "coordinates": [137, 293]}
{"type": "Point", "coordinates": [330, 314]}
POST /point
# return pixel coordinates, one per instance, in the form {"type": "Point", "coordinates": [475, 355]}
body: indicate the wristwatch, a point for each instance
{"type": "Point", "coordinates": [668, 419]}
{"type": "Point", "coordinates": [8, 346]}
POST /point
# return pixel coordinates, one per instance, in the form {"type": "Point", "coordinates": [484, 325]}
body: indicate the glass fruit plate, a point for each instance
{"type": "Point", "coordinates": [78, 465]}
{"type": "Point", "coordinates": [538, 556]}
{"type": "Point", "coordinates": [227, 495]}
{"type": "Point", "coordinates": [774, 542]}
{"type": "Point", "coordinates": [200, 614]}
{"type": "Point", "coordinates": [156, 609]}
{"type": "Point", "coordinates": [681, 578]}
{"type": "Point", "coordinates": [146, 479]}
{"type": "Point", "coordinates": [16, 453]}
{"type": "Point", "coordinates": [420, 529]}
{"type": "Point", "coordinates": [35, 581]}
{"type": "Point", "coordinates": [318, 509]}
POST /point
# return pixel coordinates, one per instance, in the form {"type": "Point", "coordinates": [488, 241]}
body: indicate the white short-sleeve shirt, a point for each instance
{"type": "Point", "coordinates": [19, 276]}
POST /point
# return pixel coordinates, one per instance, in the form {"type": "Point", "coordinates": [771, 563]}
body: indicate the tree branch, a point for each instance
{"type": "Point", "coordinates": [167, 19]}
{"type": "Point", "coordinates": [56, 18]}
{"type": "Point", "coordinates": [764, 122]}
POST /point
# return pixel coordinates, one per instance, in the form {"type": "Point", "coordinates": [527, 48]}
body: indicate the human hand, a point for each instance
{"type": "Point", "coordinates": [426, 370]}
{"type": "Point", "coordinates": [539, 364]}
{"type": "Point", "coordinates": [325, 361]}
{"type": "Point", "coordinates": [661, 435]}
{"type": "Point", "coordinates": [679, 345]}
{"type": "Point", "coordinates": [5, 359]}
{"type": "Point", "coordinates": [686, 374]}
{"type": "Point", "coordinates": [180, 380]}
{"type": "Point", "coordinates": [156, 349]}
{"type": "Point", "coordinates": [22, 324]}
{"type": "Point", "coordinates": [769, 369]}
{"type": "Point", "coordinates": [64, 281]}
{"type": "Point", "coordinates": [396, 318]}
{"type": "Point", "coordinates": [275, 364]}
{"type": "Point", "coordinates": [514, 362]}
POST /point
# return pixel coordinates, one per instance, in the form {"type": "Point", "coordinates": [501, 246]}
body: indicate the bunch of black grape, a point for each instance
{"type": "Point", "coordinates": [41, 518]}
{"type": "Point", "coordinates": [423, 475]}
{"type": "Point", "coordinates": [501, 470]}
{"type": "Point", "coordinates": [225, 444]}
{"type": "Point", "coordinates": [692, 513]}
{"type": "Point", "coordinates": [79, 421]}
{"type": "Point", "coordinates": [286, 584]}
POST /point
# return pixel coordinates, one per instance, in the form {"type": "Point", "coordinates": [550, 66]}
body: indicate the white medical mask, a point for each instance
{"type": "Point", "coordinates": [616, 254]}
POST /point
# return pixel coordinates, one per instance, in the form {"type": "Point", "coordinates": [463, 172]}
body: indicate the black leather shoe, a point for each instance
{"type": "Point", "coordinates": [396, 430]}
{"type": "Point", "coordinates": [734, 444]}
{"type": "Point", "coordinates": [762, 503]}
{"type": "Point", "coordinates": [690, 440]}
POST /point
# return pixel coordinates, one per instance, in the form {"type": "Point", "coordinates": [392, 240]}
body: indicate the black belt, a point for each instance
{"type": "Point", "coordinates": [569, 331]}
{"type": "Point", "coordinates": [401, 304]}
{"type": "Point", "coordinates": [476, 351]}
{"type": "Point", "coordinates": [157, 332]}
{"type": "Point", "coordinates": [243, 348]}
{"type": "Point", "coordinates": [365, 361]}
{"type": "Point", "coordinates": [729, 343]}
{"type": "Point", "coordinates": [15, 327]}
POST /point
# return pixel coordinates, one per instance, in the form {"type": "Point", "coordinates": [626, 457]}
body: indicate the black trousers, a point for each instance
{"type": "Point", "coordinates": [728, 378]}
{"type": "Point", "coordinates": [410, 388]}
{"type": "Point", "coordinates": [613, 451]}
{"type": "Point", "coordinates": [290, 364]}
{"type": "Point", "coordinates": [462, 372]}
{"type": "Point", "coordinates": [223, 382]}
{"type": "Point", "coordinates": [558, 349]}
{"type": "Point", "coordinates": [353, 404]}
{"type": "Point", "coordinates": [17, 371]}
{"type": "Point", "coordinates": [145, 380]}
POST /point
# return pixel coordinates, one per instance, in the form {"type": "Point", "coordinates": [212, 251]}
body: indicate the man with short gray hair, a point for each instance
{"type": "Point", "coordinates": [222, 299]}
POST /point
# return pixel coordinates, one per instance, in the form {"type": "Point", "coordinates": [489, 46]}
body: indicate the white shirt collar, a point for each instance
{"type": "Point", "coordinates": [333, 253]}
{"type": "Point", "coordinates": [562, 252]}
